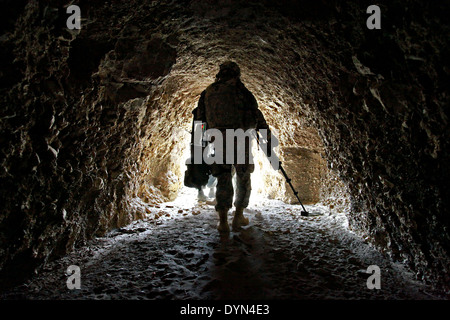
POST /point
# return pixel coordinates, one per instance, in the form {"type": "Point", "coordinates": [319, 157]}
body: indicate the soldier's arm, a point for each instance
{"type": "Point", "coordinates": [260, 121]}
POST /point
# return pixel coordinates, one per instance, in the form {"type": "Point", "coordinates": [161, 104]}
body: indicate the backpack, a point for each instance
{"type": "Point", "coordinates": [229, 106]}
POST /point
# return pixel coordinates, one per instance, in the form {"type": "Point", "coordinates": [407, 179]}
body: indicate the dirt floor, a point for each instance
{"type": "Point", "coordinates": [181, 255]}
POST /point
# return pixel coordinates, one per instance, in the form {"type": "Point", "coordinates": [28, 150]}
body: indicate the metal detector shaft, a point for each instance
{"type": "Point", "coordinates": [288, 180]}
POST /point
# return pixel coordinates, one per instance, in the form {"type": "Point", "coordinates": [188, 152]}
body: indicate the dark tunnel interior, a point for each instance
{"type": "Point", "coordinates": [93, 119]}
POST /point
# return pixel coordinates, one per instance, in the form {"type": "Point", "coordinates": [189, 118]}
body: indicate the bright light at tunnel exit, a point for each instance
{"type": "Point", "coordinates": [266, 182]}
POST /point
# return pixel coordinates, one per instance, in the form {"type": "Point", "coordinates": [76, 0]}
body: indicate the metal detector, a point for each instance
{"type": "Point", "coordinates": [303, 213]}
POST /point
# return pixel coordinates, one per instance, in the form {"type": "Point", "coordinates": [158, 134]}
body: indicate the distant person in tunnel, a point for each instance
{"type": "Point", "coordinates": [211, 185]}
{"type": "Point", "coordinates": [228, 104]}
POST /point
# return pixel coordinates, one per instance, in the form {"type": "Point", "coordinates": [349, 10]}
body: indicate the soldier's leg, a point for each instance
{"type": "Point", "coordinates": [243, 191]}
{"type": "Point", "coordinates": [224, 194]}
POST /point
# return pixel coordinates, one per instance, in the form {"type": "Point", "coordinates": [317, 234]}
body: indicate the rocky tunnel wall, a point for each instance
{"type": "Point", "coordinates": [92, 118]}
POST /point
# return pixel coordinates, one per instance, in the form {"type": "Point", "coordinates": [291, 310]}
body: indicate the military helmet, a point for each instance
{"type": "Point", "coordinates": [229, 69]}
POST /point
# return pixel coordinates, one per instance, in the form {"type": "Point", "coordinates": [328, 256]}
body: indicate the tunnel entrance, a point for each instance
{"type": "Point", "coordinates": [165, 141]}
{"type": "Point", "coordinates": [306, 167]}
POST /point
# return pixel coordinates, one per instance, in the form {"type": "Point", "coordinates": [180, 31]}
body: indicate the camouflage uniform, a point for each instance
{"type": "Point", "coordinates": [228, 104]}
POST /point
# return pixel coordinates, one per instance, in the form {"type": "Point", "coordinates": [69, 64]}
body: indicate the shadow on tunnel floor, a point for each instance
{"type": "Point", "coordinates": [180, 255]}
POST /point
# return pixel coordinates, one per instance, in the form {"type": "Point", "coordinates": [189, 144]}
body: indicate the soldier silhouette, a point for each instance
{"type": "Point", "coordinates": [228, 104]}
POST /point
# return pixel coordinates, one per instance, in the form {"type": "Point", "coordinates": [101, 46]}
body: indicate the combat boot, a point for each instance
{"type": "Point", "coordinates": [239, 220]}
{"type": "Point", "coordinates": [223, 221]}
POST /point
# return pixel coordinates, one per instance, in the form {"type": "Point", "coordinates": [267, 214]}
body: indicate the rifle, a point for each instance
{"type": "Point", "coordinates": [197, 174]}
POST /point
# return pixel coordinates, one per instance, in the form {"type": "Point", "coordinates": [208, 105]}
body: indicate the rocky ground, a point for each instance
{"type": "Point", "coordinates": [180, 255]}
